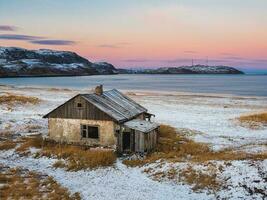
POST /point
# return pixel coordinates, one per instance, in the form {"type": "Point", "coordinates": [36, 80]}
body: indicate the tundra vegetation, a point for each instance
{"type": "Point", "coordinates": [76, 157]}
{"type": "Point", "coordinates": [10, 100]}
{"type": "Point", "coordinates": [17, 183]}
{"type": "Point", "coordinates": [253, 121]}
{"type": "Point", "coordinates": [6, 145]}
{"type": "Point", "coordinates": [174, 147]}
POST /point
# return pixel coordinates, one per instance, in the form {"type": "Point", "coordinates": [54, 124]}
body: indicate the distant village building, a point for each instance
{"type": "Point", "coordinates": [103, 118]}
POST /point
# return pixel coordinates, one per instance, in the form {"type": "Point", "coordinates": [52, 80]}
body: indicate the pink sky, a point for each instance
{"type": "Point", "coordinates": [143, 34]}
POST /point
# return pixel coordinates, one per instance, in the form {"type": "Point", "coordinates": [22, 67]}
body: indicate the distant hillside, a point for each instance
{"type": "Point", "coordinates": [196, 69]}
{"type": "Point", "coordinates": [16, 62]}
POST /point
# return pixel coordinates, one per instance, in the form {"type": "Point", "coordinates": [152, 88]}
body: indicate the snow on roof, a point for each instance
{"type": "Point", "coordinates": [141, 125]}
{"type": "Point", "coordinates": [115, 104]}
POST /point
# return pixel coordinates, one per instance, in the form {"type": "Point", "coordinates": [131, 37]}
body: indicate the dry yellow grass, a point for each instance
{"type": "Point", "coordinates": [76, 157]}
{"type": "Point", "coordinates": [12, 99]}
{"type": "Point", "coordinates": [18, 184]}
{"type": "Point", "coordinates": [176, 147]}
{"type": "Point", "coordinates": [35, 141]}
{"type": "Point", "coordinates": [201, 180]}
{"type": "Point", "coordinates": [6, 145]}
{"type": "Point", "coordinates": [59, 89]}
{"type": "Point", "coordinates": [253, 121]}
{"type": "Point", "coordinates": [171, 146]}
{"type": "Point", "coordinates": [260, 117]}
{"type": "Point", "coordinates": [59, 164]}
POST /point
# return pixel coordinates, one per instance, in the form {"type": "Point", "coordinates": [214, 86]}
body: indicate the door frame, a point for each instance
{"type": "Point", "coordinates": [126, 138]}
{"type": "Point", "coordinates": [131, 146]}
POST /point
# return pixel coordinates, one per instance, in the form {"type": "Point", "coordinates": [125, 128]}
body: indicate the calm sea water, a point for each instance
{"type": "Point", "coordinates": [247, 85]}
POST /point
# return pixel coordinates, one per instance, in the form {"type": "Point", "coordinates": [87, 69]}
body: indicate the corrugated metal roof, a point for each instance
{"type": "Point", "coordinates": [115, 104]}
{"type": "Point", "coordinates": [141, 125]}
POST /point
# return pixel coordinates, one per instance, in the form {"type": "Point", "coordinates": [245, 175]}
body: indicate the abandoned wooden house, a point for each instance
{"type": "Point", "coordinates": [103, 118]}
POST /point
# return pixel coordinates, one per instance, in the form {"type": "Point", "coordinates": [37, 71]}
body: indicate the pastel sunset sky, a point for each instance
{"type": "Point", "coordinates": [142, 33]}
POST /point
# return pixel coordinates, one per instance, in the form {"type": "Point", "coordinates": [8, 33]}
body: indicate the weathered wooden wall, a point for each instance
{"type": "Point", "coordinates": [145, 142]}
{"type": "Point", "coordinates": [139, 141]}
{"type": "Point", "coordinates": [69, 110]}
{"type": "Point", "coordinates": [150, 141]}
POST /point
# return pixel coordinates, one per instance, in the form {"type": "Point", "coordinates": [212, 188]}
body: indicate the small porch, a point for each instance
{"type": "Point", "coordinates": [137, 136]}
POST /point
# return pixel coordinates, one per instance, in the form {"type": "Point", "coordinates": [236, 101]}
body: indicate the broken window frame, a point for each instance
{"type": "Point", "coordinates": [89, 131]}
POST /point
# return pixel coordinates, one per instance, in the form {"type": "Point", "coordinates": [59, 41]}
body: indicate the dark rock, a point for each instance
{"type": "Point", "coordinates": [44, 62]}
{"type": "Point", "coordinates": [196, 69]}
{"type": "Point", "coordinates": [105, 68]}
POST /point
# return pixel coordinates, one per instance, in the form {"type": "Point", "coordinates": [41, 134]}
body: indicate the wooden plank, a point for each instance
{"type": "Point", "coordinates": [88, 111]}
{"type": "Point", "coordinates": [132, 140]}
{"type": "Point", "coordinates": [141, 142]}
{"type": "Point", "coordinates": [136, 141]}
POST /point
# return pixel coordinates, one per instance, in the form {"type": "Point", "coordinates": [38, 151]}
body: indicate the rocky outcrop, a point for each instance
{"type": "Point", "coordinates": [196, 69]}
{"type": "Point", "coordinates": [45, 62]}
{"type": "Point", "coordinates": [105, 68]}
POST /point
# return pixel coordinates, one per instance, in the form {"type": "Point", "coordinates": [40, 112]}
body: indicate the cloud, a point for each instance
{"type": "Point", "coordinates": [227, 54]}
{"type": "Point", "coordinates": [259, 60]}
{"type": "Point", "coordinates": [114, 46]}
{"type": "Point", "coordinates": [36, 39]}
{"type": "Point", "coordinates": [108, 46]}
{"type": "Point", "coordinates": [191, 52]}
{"type": "Point", "coordinates": [18, 37]}
{"type": "Point", "coordinates": [53, 42]}
{"type": "Point", "coordinates": [8, 28]}
{"type": "Point", "coordinates": [234, 58]}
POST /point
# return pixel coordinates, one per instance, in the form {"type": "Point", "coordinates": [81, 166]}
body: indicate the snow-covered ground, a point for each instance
{"type": "Point", "coordinates": [212, 116]}
{"type": "Point", "coordinates": [118, 182]}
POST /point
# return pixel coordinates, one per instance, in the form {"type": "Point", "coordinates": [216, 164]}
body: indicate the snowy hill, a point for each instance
{"type": "Point", "coordinates": [201, 69]}
{"type": "Point", "coordinates": [45, 62]}
{"type": "Point", "coordinates": [196, 69]}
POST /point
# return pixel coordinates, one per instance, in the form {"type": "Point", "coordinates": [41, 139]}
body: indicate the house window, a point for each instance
{"type": "Point", "coordinates": [89, 131]}
{"type": "Point", "coordinates": [79, 105]}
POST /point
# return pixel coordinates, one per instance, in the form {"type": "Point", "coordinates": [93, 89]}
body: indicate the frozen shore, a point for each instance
{"type": "Point", "coordinates": [213, 117]}
{"type": "Point", "coordinates": [210, 116]}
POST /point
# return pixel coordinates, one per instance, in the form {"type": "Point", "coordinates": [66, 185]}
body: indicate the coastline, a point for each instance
{"type": "Point", "coordinates": [142, 92]}
{"type": "Point", "coordinates": [67, 75]}
{"type": "Point", "coordinates": [200, 84]}
{"type": "Point", "coordinates": [207, 119]}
